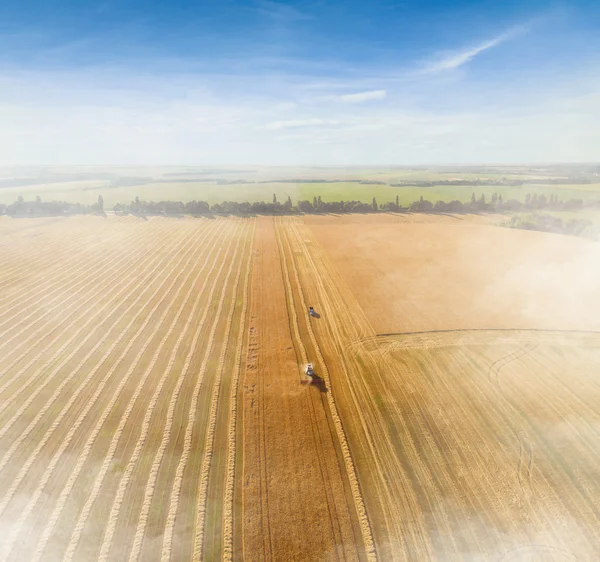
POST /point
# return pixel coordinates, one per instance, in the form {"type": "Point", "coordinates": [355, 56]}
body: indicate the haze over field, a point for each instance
{"type": "Point", "coordinates": [299, 82]}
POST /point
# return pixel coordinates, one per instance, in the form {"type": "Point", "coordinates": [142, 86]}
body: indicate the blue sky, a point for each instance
{"type": "Point", "coordinates": [290, 83]}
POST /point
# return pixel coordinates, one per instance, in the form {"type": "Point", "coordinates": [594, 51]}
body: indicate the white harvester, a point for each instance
{"type": "Point", "coordinates": [309, 374]}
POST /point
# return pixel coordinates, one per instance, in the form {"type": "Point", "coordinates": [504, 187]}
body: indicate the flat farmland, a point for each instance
{"type": "Point", "coordinates": [151, 405]}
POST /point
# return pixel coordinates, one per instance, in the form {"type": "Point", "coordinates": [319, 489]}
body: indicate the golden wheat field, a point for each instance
{"type": "Point", "coordinates": [151, 405]}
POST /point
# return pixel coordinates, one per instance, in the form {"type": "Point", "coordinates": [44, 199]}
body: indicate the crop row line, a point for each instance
{"type": "Point", "coordinates": [64, 271]}
{"type": "Point", "coordinates": [145, 428]}
{"type": "Point", "coordinates": [150, 486]}
{"type": "Point", "coordinates": [89, 405]}
{"type": "Point", "coordinates": [84, 514]}
{"type": "Point", "coordinates": [187, 441]}
{"type": "Point", "coordinates": [74, 305]}
{"type": "Point", "coordinates": [212, 422]}
{"type": "Point", "coordinates": [58, 353]}
{"type": "Point", "coordinates": [45, 254]}
{"type": "Point", "coordinates": [27, 465]}
{"type": "Point", "coordinates": [232, 425]}
{"type": "Point", "coordinates": [114, 399]}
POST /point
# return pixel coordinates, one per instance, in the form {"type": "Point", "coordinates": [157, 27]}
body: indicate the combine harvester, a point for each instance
{"type": "Point", "coordinates": [310, 377]}
{"type": "Point", "coordinates": [309, 374]}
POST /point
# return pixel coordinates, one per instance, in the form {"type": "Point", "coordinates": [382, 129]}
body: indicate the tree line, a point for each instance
{"type": "Point", "coordinates": [548, 223]}
{"type": "Point", "coordinates": [39, 208]}
{"type": "Point", "coordinates": [533, 202]}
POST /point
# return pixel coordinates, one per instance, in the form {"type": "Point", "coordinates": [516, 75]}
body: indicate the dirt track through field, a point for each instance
{"type": "Point", "coordinates": [288, 439]}
{"type": "Point", "coordinates": [333, 411]}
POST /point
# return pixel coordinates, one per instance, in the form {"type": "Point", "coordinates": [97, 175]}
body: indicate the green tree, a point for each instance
{"type": "Point", "coordinates": [315, 205]}
{"type": "Point", "coordinates": [100, 204]}
{"type": "Point", "coordinates": [274, 199]}
{"type": "Point", "coordinates": [375, 206]}
{"type": "Point", "coordinates": [398, 201]}
{"type": "Point", "coordinates": [305, 207]}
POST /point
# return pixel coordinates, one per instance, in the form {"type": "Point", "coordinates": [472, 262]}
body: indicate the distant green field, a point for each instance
{"type": "Point", "coordinates": [408, 194]}
{"type": "Point", "coordinates": [87, 192]}
{"type": "Point", "coordinates": [592, 215]}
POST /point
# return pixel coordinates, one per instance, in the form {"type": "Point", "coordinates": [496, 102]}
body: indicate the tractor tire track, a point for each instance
{"type": "Point", "coordinates": [365, 525]}
{"type": "Point", "coordinates": [393, 491]}
{"type": "Point", "coordinates": [525, 463]}
{"type": "Point", "coordinates": [299, 344]}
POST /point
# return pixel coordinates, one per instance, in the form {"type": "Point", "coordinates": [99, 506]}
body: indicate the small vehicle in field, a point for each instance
{"type": "Point", "coordinates": [311, 311]}
{"type": "Point", "coordinates": [309, 373]}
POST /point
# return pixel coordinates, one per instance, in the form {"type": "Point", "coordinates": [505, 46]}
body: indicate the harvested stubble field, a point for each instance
{"type": "Point", "coordinates": [120, 340]}
{"type": "Point", "coordinates": [151, 405]}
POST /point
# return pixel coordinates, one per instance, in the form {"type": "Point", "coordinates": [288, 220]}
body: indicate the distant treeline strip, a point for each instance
{"type": "Point", "coordinates": [533, 202]}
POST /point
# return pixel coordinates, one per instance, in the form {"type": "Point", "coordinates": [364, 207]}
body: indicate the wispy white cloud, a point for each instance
{"type": "Point", "coordinates": [456, 59]}
{"type": "Point", "coordinates": [361, 97]}
{"type": "Point", "coordinates": [115, 116]}
{"type": "Point", "coordinates": [299, 123]}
